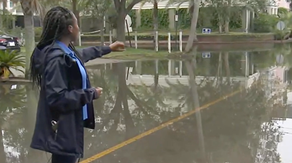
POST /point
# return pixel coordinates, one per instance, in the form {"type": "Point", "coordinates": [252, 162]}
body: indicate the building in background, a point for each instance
{"type": "Point", "coordinates": [284, 3]}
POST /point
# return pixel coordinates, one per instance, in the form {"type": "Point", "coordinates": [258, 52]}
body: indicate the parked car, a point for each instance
{"type": "Point", "coordinates": [9, 42]}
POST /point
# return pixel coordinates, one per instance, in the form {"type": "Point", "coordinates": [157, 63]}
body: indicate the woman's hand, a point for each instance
{"type": "Point", "coordinates": [99, 91]}
{"type": "Point", "coordinates": [117, 46]}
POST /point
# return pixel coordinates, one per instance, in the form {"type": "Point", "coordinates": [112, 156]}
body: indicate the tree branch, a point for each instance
{"type": "Point", "coordinates": [117, 4]}
{"type": "Point", "coordinates": [131, 5]}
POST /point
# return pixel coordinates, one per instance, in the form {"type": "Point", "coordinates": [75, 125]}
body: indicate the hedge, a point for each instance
{"type": "Point", "coordinates": [201, 37]}
{"type": "Point", "coordinates": [263, 23]}
{"type": "Point", "coordinates": [207, 18]}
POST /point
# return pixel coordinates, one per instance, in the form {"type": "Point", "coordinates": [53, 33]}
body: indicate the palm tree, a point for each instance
{"type": "Point", "coordinates": [29, 8]}
{"type": "Point", "coordinates": [8, 60]}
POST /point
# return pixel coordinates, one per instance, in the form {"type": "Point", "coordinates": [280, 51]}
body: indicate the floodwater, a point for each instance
{"type": "Point", "coordinates": [235, 107]}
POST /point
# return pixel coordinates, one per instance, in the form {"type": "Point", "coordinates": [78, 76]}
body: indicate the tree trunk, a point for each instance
{"type": "Point", "coordinates": [29, 32]}
{"type": "Point", "coordinates": [29, 39]}
{"type": "Point", "coordinates": [190, 66]}
{"type": "Point", "coordinates": [155, 15]}
{"type": "Point", "coordinates": [76, 13]}
{"type": "Point", "coordinates": [227, 67]}
{"type": "Point", "coordinates": [122, 9]}
{"type": "Point", "coordinates": [4, 16]}
{"type": "Point", "coordinates": [193, 33]}
{"type": "Point", "coordinates": [220, 24]}
{"type": "Point", "coordinates": [155, 22]}
{"type": "Point", "coordinates": [102, 32]}
{"type": "Point", "coordinates": [219, 70]}
{"type": "Point", "coordinates": [226, 26]}
{"type": "Point", "coordinates": [121, 34]}
{"type": "Point", "coordinates": [227, 18]}
{"type": "Point", "coordinates": [156, 75]}
{"type": "Point", "coordinates": [124, 96]}
{"type": "Point", "coordinates": [1, 16]}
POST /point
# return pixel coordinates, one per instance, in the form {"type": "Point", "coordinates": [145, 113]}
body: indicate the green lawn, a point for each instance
{"type": "Point", "coordinates": [185, 32]}
{"type": "Point", "coordinates": [131, 53]}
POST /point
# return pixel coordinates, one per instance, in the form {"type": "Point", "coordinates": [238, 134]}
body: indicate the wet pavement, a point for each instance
{"type": "Point", "coordinates": [233, 107]}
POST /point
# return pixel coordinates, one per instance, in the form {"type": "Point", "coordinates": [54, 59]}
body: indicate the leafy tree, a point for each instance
{"type": "Point", "coordinates": [97, 9]}
{"type": "Point", "coordinates": [122, 8]}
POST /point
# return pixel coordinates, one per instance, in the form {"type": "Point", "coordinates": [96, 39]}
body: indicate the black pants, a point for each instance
{"type": "Point", "coordinates": [63, 159]}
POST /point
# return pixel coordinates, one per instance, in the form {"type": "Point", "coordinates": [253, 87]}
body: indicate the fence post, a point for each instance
{"type": "Point", "coordinates": [110, 37]}
{"type": "Point", "coordinates": [180, 41]}
{"type": "Point", "coordinates": [136, 40]}
{"type": "Point", "coordinates": [169, 42]}
{"type": "Point", "coordinates": [156, 41]}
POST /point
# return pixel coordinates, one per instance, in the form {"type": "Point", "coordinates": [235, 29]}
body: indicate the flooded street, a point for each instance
{"type": "Point", "coordinates": [233, 107]}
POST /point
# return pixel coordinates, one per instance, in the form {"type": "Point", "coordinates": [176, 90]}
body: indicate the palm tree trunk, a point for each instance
{"type": "Point", "coordinates": [1, 15]}
{"type": "Point", "coordinates": [29, 39]}
{"type": "Point", "coordinates": [193, 33]}
{"type": "Point", "coordinates": [76, 13]}
{"type": "Point", "coordinates": [155, 21]}
{"type": "Point", "coordinates": [4, 16]}
{"type": "Point", "coordinates": [29, 32]}
{"type": "Point", "coordinates": [155, 15]}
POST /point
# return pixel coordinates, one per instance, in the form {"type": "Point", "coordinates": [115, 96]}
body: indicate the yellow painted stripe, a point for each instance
{"type": "Point", "coordinates": [131, 140]}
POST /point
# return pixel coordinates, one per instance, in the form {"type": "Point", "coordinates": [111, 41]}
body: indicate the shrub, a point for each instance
{"type": "Point", "coordinates": [282, 11]}
{"type": "Point", "coordinates": [10, 59]}
{"type": "Point", "coordinates": [265, 23]}
{"type": "Point", "coordinates": [38, 31]}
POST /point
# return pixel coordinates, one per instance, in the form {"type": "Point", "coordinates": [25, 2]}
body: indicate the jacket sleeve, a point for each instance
{"type": "Point", "coordinates": [58, 96]}
{"type": "Point", "coordinates": [93, 52]}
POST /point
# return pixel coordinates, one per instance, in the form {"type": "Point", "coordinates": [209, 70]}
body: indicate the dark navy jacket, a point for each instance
{"type": "Point", "coordinates": [62, 98]}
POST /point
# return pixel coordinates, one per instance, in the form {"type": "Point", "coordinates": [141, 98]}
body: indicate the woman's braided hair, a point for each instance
{"type": "Point", "coordinates": [55, 27]}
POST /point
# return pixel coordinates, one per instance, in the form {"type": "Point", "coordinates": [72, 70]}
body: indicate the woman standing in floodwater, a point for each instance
{"type": "Point", "coordinates": [65, 104]}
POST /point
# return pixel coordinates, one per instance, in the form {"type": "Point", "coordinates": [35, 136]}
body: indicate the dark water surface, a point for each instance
{"type": "Point", "coordinates": [252, 126]}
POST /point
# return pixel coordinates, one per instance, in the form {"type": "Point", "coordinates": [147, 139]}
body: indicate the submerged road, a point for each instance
{"type": "Point", "coordinates": [163, 125]}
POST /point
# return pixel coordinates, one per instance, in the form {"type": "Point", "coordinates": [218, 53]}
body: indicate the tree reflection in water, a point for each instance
{"type": "Point", "coordinates": [230, 131]}
{"type": "Point", "coordinates": [12, 100]}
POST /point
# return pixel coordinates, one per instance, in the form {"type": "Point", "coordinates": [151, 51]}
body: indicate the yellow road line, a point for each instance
{"type": "Point", "coordinates": [144, 134]}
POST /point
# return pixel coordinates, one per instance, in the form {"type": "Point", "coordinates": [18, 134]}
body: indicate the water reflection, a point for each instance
{"type": "Point", "coordinates": [143, 94]}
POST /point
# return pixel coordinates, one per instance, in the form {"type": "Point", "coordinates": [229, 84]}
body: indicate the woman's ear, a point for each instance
{"type": "Point", "coordinates": [70, 28]}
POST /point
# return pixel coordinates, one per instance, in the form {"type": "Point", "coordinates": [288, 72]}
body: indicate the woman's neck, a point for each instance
{"type": "Point", "coordinates": [65, 41]}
